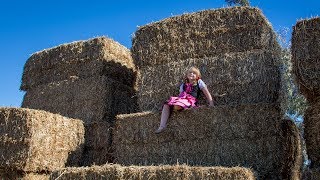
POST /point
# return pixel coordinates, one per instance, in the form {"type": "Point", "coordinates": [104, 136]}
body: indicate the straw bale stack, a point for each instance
{"type": "Point", "coordinates": [235, 49]}
{"type": "Point", "coordinates": [312, 131]}
{"type": "Point", "coordinates": [247, 135]}
{"type": "Point", "coordinates": [37, 141]}
{"type": "Point", "coordinates": [93, 57]}
{"type": "Point", "coordinates": [306, 56]}
{"type": "Point", "coordinates": [98, 144]}
{"type": "Point", "coordinates": [154, 172]}
{"type": "Point", "coordinates": [242, 78]}
{"type": "Point", "coordinates": [97, 98]}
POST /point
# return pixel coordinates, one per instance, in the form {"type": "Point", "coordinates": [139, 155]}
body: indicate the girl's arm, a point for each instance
{"type": "Point", "coordinates": [208, 96]}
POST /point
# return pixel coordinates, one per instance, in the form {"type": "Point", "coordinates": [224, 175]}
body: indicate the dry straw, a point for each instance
{"type": "Point", "coordinates": [247, 135]}
{"type": "Point", "coordinates": [118, 172]}
{"type": "Point", "coordinates": [312, 131]}
{"type": "Point", "coordinates": [93, 57]}
{"type": "Point", "coordinates": [202, 34]}
{"type": "Point", "coordinates": [9, 174]}
{"type": "Point", "coordinates": [92, 99]}
{"type": "Point", "coordinates": [306, 55]}
{"type": "Point", "coordinates": [241, 78]}
{"type": "Point", "coordinates": [36, 141]}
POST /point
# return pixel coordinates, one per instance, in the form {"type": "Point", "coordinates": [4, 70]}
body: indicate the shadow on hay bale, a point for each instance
{"type": "Point", "coordinates": [246, 135]}
{"type": "Point", "coordinates": [312, 132]}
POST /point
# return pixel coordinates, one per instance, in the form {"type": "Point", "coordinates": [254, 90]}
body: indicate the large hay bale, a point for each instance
{"type": "Point", "coordinates": [98, 144]}
{"type": "Point", "coordinates": [92, 99]}
{"type": "Point", "coordinates": [94, 57]}
{"type": "Point", "coordinates": [306, 56]}
{"type": "Point", "coordinates": [312, 131]}
{"type": "Point", "coordinates": [154, 172]}
{"type": "Point", "coordinates": [36, 141]}
{"type": "Point", "coordinates": [202, 34]}
{"type": "Point", "coordinates": [246, 135]}
{"type": "Point", "coordinates": [243, 78]}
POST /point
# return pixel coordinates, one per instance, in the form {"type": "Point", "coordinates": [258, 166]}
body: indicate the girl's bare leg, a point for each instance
{"type": "Point", "coordinates": [164, 118]}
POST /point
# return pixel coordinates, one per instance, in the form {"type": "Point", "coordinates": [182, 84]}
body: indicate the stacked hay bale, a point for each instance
{"type": "Point", "coordinates": [246, 135]}
{"type": "Point", "coordinates": [235, 49]}
{"type": "Point", "coordinates": [306, 67]}
{"type": "Point", "coordinates": [154, 172]}
{"type": "Point", "coordinates": [237, 53]}
{"type": "Point", "coordinates": [90, 80]}
{"type": "Point", "coordinates": [33, 142]}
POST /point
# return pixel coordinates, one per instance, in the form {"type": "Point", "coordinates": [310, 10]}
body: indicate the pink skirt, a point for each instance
{"type": "Point", "coordinates": [184, 100]}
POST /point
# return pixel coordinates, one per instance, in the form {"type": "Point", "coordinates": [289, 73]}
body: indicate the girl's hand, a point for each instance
{"type": "Point", "coordinates": [211, 104]}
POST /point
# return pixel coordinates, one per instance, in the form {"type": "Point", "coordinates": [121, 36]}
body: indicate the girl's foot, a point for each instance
{"type": "Point", "coordinates": [159, 130]}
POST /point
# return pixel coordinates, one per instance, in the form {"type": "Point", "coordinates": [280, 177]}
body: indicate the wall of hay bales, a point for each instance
{"type": "Point", "coordinates": [91, 80]}
{"type": "Point", "coordinates": [305, 60]}
{"type": "Point", "coordinates": [247, 135]}
{"type": "Point", "coordinates": [235, 49]}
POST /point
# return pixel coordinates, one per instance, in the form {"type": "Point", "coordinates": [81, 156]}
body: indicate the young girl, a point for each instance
{"type": "Point", "coordinates": [188, 97]}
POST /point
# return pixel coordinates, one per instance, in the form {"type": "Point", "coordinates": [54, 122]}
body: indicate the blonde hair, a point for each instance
{"type": "Point", "coordinates": [192, 69]}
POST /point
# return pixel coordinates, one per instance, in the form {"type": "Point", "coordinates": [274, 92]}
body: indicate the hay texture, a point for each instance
{"type": "Point", "coordinates": [306, 56]}
{"type": "Point", "coordinates": [118, 172]}
{"type": "Point", "coordinates": [202, 34]}
{"type": "Point", "coordinates": [36, 141]}
{"type": "Point", "coordinates": [235, 49]}
{"type": "Point", "coordinates": [241, 78]}
{"type": "Point", "coordinates": [98, 144]}
{"type": "Point", "coordinates": [93, 57]}
{"type": "Point", "coordinates": [312, 131]}
{"type": "Point", "coordinates": [5, 175]}
{"type": "Point", "coordinates": [247, 135]}
{"type": "Point", "coordinates": [91, 99]}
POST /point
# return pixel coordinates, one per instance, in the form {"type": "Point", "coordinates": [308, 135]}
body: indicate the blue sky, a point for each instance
{"type": "Point", "coordinates": [31, 26]}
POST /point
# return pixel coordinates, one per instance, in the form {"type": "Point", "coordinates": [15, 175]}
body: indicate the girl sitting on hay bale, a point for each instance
{"type": "Point", "coordinates": [188, 97]}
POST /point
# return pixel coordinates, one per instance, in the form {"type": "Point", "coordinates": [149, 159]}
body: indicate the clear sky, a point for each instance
{"type": "Point", "coordinates": [31, 26]}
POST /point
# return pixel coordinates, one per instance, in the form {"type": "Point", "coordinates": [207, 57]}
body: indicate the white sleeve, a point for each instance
{"type": "Point", "coordinates": [181, 88]}
{"type": "Point", "coordinates": [201, 84]}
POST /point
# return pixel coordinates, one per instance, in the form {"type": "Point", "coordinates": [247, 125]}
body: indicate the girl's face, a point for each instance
{"type": "Point", "coordinates": [192, 76]}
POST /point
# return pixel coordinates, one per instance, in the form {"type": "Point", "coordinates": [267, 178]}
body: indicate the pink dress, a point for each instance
{"type": "Point", "coordinates": [185, 99]}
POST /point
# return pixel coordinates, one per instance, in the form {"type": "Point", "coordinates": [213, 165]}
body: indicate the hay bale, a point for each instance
{"type": "Point", "coordinates": [36, 141]}
{"type": "Point", "coordinates": [202, 34]}
{"type": "Point", "coordinates": [312, 131]}
{"type": "Point", "coordinates": [292, 167]}
{"type": "Point", "coordinates": [306, 55]}
{"type": "Point", "coordinates": [311, 174]}
{"type": "Point", "coordinates": [91, 99]}
{"type": "Point", "coordinates": [22, 175]}
{"type": "Point", "coordinates": [93, 57]}
{"type": "Point", "coordinates": [154, 172]}
{"type": "Point", "coordinates": [246, 135]}
{"type": "Point", "coordinates": [98, 144]}
{"type": "Point", "coordinates": [243, 78]}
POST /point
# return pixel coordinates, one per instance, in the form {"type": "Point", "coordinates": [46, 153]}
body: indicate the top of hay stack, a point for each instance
{"type": "Point", "coordinates": [81, 58]}
{"type": "Point", "coordinates": [306, 56]}
{"type": "Point", "coordinates": [203, 34]}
